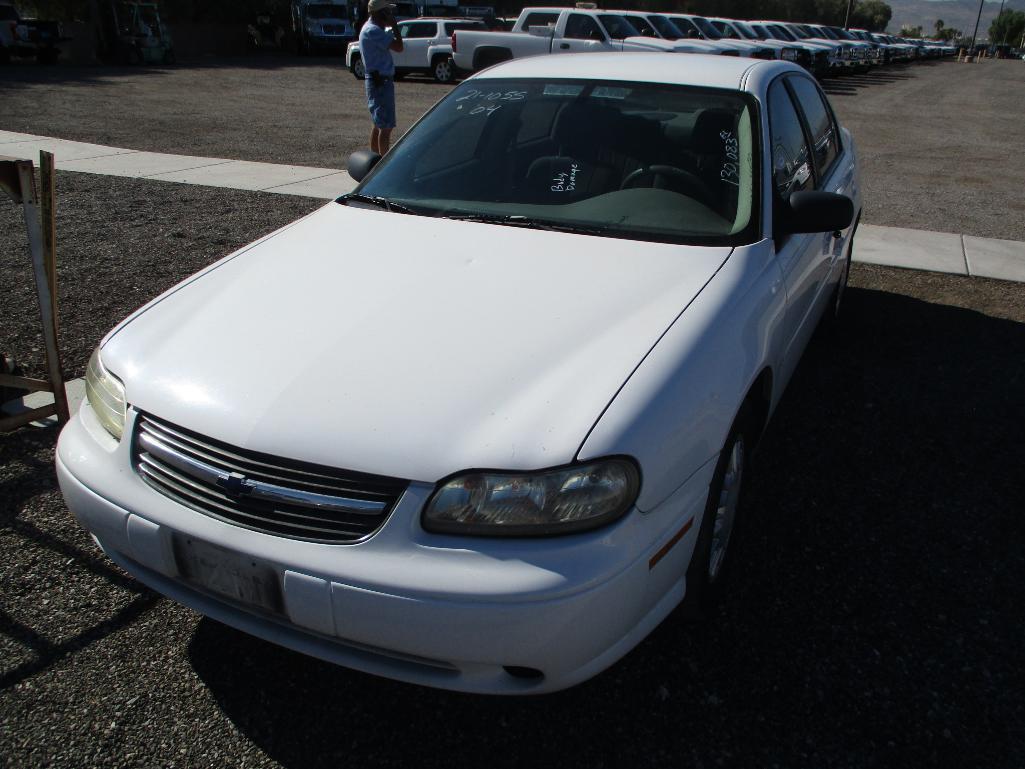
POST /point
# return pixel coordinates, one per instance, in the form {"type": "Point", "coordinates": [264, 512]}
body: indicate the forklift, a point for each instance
{"type": "Point", "coordinates": [131, 33]}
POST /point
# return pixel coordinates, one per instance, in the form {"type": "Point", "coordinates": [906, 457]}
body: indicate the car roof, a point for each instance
{"type": "Point", "coordinates": [709, 71]}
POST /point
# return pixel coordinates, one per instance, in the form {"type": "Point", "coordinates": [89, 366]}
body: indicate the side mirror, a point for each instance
{"type": "Point", "coordinates": [817, 212]}
{"type": "Point", "coordinates": [361, 162]}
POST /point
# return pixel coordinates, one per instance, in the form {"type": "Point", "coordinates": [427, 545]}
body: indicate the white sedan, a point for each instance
{"type": "Point", "coordinates": [485, 422]}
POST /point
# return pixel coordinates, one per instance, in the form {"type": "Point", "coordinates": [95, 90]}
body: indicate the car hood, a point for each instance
{"type": "Point", "coordinates": [404, 345]}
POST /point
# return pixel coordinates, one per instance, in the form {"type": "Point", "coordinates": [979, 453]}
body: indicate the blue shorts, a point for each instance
{"type": "Point", "coordinates": [381, 103]}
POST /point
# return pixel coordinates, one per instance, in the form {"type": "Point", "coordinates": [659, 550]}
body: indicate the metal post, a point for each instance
{"type": "Point", "coordinates": [847, 18]}
{"type": "Point", "coordinates": [29, 202]}
{"type": "Point", "coordinates": [47, 202]}
{"type": "Point", "coordinates": [977, 19]}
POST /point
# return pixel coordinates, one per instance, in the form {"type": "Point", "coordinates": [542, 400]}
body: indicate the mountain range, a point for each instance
{"type": "Point", "coordinates": [959, 14]}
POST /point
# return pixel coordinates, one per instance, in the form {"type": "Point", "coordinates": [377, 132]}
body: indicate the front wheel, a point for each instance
{"type": "Point", "coordinates": [358, 70]}
{"type": "Point", "coordinates": [444, 69]}
{"type": "Point", "coordinates": [719, 524]}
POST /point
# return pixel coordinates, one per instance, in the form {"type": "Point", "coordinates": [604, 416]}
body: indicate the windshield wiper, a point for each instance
{"type": "Point", "coordinates": [376, 200]}
{"type": "Point", "coordinates": [516, 220]}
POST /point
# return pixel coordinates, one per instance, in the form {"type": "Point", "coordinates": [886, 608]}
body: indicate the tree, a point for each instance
{"type": "Point", "coordinates": [908, 31]}
{"type": "Point", "coordinates": [939, 25]}
{"type": "Point", "coordinates": [1008, 27]}
{"type": "Point", "coordinates": [872, 15]}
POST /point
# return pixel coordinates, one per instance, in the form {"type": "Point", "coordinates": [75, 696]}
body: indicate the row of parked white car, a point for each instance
{"type": "Point", "coordinates": [447, 47]}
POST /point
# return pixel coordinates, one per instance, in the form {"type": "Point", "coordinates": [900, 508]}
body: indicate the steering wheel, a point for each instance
{"type": "Point", "coordinates": [683, 181]}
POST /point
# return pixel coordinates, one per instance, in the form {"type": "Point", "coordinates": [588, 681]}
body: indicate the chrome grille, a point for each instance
{"type": "Point", "coordinates": [277, 496]}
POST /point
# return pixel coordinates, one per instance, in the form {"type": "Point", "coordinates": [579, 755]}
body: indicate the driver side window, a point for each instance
{"type": "Point", "coordinates": [791, 158]}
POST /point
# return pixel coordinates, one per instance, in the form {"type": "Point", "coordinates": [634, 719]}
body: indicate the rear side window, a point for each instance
{"type": "Point", "coordinates": [539, 20]}
{"type": "Point", "coordinates": [791, 158]}
{"type": "Point", "coordinates": [824, 133]}
{"type": "Point", "coordinates": [581, 27]}
{"type": "Point", "coordinates": [419, 29]}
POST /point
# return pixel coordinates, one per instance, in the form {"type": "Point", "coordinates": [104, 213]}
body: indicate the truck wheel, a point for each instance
{"type": "Point", "coordinates": [169, 57]}
{"type": "Point", "coordinates": [47, 56]}
{"type": "Point", "coordinates": [443, 69]}
{"type": "Point", "coordinates": [357, 69]}
{"type": "Point", "coordinates": [5, 55]}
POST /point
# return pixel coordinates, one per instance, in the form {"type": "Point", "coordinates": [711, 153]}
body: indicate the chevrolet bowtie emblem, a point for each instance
{"type": "Point", "coordinates": [235, 485]}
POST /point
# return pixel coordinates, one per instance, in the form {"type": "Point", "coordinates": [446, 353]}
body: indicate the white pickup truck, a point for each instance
{"type": "Point", "coordinates": [540, 31]}
{"type": "Point", "coordinates": [426, 47]}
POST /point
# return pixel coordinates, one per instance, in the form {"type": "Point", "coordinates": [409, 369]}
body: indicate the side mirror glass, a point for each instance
{"type": "Point", "coordinates": [361, 162]}
{"type": "Point", "coordinates": [817, 212]}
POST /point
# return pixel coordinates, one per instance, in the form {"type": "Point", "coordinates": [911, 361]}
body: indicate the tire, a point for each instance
{"type": "Point", "coordinates": [443, 69]}
{"type": "Point", "coordinates": [47, 56]}
{"type": "Point", "coordinates": [357, 68]}
{"type": "Point", "coordinates": [169, 57]}
{"type": "Point", "coordinates": [397, 75]}
{"type": "Point", "coordinates": [710, 565]}
{"type": "Point", "coordinates": [5, 55]}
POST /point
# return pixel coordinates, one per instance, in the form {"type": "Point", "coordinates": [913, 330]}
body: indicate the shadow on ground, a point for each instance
{"type": "Point", "coordinates": [851, 84]}
{"type": "Point", "coordinates": [875, 618]}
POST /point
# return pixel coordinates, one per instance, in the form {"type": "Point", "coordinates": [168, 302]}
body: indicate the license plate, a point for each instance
{"type": "Point", "coordinates": [229, 574]}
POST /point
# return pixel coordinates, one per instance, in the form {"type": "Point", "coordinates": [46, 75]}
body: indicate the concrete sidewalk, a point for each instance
{"type": "Point", "coordinates": [326, 183]}
{"type": "Point", "coordinates": [890, 246]}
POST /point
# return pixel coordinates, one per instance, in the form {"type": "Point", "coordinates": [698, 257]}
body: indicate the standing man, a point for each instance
{"type": "Point", "coordinates": [378, 38]}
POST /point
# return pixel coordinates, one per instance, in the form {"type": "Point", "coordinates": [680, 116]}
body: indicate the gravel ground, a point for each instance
{"type": "Point", "coordinates": [875, 622]}
{"type": "Point", "coordinates": [940, 141]}
{"type": "Point", "coordinates": [121, 242]}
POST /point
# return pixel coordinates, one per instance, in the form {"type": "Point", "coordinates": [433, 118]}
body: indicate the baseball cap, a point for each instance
{"type": "Point", "coordinates": [379, 5]}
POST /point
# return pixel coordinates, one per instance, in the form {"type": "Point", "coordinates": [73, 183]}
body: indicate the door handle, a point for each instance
{"type": "Point", "coordinates": [564, 46]}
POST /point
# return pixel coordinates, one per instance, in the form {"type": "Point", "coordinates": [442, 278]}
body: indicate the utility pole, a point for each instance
{"type": "Point", "coordinates": [847, 18]}
{"type": "Point", "coordinates": [998, 16]}
{"type": "Point", "coordinates": [976, 32]}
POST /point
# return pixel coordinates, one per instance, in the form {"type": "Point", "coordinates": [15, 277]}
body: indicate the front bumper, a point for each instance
{"type": "Point", "coordinates": [452, 612]}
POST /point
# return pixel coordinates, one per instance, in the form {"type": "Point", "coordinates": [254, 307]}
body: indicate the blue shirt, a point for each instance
{"type": "Point", "coordinates": [373, 47]}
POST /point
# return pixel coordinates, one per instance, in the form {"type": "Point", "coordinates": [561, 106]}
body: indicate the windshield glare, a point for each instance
{"type": "Point", "coordinates": [633, 160]}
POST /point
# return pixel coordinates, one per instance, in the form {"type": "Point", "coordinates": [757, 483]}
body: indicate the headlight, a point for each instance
{"type": "Point", "coordinates": [557, 501]}
{"type": "Point", "coordinates": [106, 396]}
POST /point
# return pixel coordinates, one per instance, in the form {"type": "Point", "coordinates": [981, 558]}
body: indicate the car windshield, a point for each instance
{"type": "Point", "coordinates": [843, 34]}
{"type": "Point", "coordinates": [707, 28]}
{"type": "Point", "coordinates": [643, 26]}
{"type": "Point", "coordinates": [643, 161]}
{"type": "Point", "coordinates": [781, 33]}
{"type": "Point", "coordinates": [617, 26]}
{"type": "Point", "coordinates": [746, 31]}
{"type": "Point", "coordinates": [665, 27]}
{"type": "Point", "coordinates": [325, 11]}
